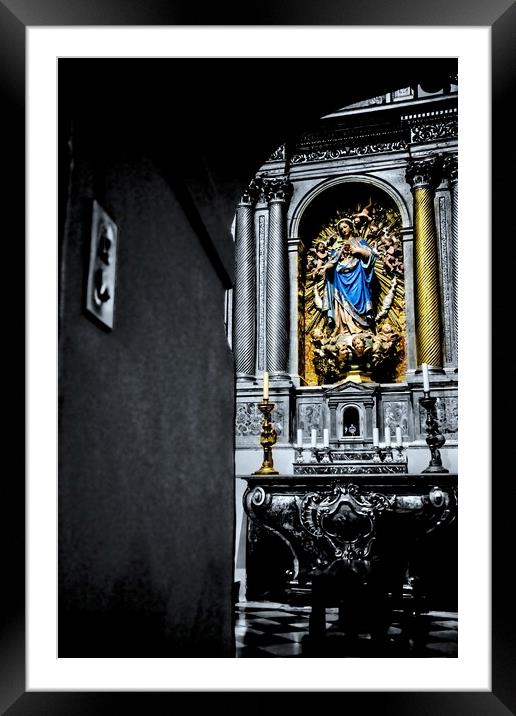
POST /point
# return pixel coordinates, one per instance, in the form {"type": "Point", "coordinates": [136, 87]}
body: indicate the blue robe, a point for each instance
{"type": "Point", "coordinates": [349, 284]}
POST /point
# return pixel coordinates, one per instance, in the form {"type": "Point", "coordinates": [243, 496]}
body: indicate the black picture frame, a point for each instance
{"type": "Point", "coordinates": [15, 16]}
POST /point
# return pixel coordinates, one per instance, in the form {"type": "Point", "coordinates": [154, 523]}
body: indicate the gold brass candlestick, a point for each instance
{"type": "Point", "coordinates": [268, 438]}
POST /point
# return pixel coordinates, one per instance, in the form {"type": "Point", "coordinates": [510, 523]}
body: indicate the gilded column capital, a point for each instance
{"type": "Point", "coordinates": [450, 168]}
{"type": "Point", "coordinates": [424, 173]}
{"type": "Point", "coordinates": [277, 188]}
{"type": "Point", "coordinates": [250, 194]}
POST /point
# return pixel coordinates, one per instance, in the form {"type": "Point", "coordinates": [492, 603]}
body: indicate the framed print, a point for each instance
{"type": "Point", "coordinates": [139, 405]}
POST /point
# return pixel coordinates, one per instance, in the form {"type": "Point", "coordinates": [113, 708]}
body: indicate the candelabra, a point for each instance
{"type": "Point", "coordinates": [322, 453]}
{"type": "Point", "coordinates": [435, 439]}
{"type": "Point", "coordinates": [325, 454]}
{"type": "Point", "coordinates": [400, 456]}
{"type": "Point", "coordinates": [268, 437]}
{"type": "Point", "coordinates": [382, 454]}
{"type": "Point", "coordinates": [388, 453]}
{"type": "Point", "coordinates": [299, 453]}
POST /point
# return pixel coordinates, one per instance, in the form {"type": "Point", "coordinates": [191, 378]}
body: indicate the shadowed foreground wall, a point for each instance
{"type": "Point", "coordinates": [145, 488]}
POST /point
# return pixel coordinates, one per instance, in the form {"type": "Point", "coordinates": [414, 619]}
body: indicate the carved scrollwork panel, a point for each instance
{"type": "Point", "coordinates": [345, 518]}
{"type": "Point", "coordinates": [395, 413]}
{"type": "Point", "coordinates": [351, 469]}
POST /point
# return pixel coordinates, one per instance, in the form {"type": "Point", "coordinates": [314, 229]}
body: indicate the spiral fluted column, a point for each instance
{"type": "Point", "coordinates": [451, 171]}
{"type": "Point", "coordinates": [422, 177]}
{"type": "Point", "coordinates": [277, 191]}
{"type": "Point", "coordinates": [244, 292]}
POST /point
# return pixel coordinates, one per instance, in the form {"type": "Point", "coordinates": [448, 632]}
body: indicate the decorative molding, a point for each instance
{"type": "Point", "coordinates": [446, 283]}
{"type": "Point", "coordinates": [276, 188]}
{"type": "Point", "coordinates": [345, 142]}
{"type": "Point", "coordinates": [250, 194]}
{"type": "Point", "coordinates": [352, 150]}
{"type": "Point", "coordinates": [262, 298]}
{"type": "Point", "coordinates": [349, 137]}
{"type": "Point", "coordinates": [259, 497]}
{"type": "Point", "coordinates": [353, 455]}
{"type": "Point", "coordinates": [350, 469]}
{"type": "Point", "coordinates": [450, 168]}
{"type": "Point", "coordinates": [432, 132]}
{"type": "Point", "coordinates": [403, 93]}
{"type": "Point", "coordinates": [431, 126]}
{"type": "Point", "coordinates": [353, 390]}
{"type": "Point", "coordinates": [278, 154]}
{"type": "Point", "coordinates": [424, 173]}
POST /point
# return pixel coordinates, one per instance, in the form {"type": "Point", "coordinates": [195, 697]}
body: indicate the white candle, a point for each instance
{"type": "Point", "coordinates": [299, 437]}
{"type": "Point", "coordinates": [266, 385]}
{"type": "Point", "coordinates": [376, 437]}
{"type": "Point", "coordinates": [326, 437]}
{"type": "Point", "coordinates": [387, 437]}
{"type": "Point", "coordinates": [426, 382]}
{"type": "Point", "coordinates": [398, 436]}
{"type": "Point", "coordinates": [314, 437]}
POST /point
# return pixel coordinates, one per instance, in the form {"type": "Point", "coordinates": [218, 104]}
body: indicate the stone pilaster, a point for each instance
{"type": "Point", "coordinates": [451, 172]}
{"type": "Point", "coordinates": [294, 253]}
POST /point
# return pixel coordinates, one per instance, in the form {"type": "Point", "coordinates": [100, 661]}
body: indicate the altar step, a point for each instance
{"type": "Point", "coordinates": [339, 461]}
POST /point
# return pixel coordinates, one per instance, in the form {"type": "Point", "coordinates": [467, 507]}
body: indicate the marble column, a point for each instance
{"type": "Point", "coordinates": [422, 176]}
{"type": "Point", "coordinates": [244, 292]}
{"type": "Point", "coordinates": [451, 172]}
{"type": "Point", "coordinates": [278, 191]}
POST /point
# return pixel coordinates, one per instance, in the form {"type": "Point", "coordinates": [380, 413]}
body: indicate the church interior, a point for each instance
{"type": "Point", "coordinates": [258, 358]}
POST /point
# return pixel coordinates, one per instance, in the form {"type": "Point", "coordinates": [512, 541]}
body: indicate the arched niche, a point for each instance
{"type": "Point", "coordinates": [361, 345]}
{"type": "Point", "coordinates": [351, 423]}
{"type": "Point", "coordinates": [297, 209]}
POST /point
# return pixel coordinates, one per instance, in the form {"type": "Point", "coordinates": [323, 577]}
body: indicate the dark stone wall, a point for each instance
{"type": "Point", "coordinates": [146, 421]}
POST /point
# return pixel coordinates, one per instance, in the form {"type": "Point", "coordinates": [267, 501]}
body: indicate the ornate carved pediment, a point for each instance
{"type": "Point", "coordinates": [350, 390]}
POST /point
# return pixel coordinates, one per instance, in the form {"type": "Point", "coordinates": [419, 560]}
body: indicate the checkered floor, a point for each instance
{"type": "Point", "coordinates": [265, 629]}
